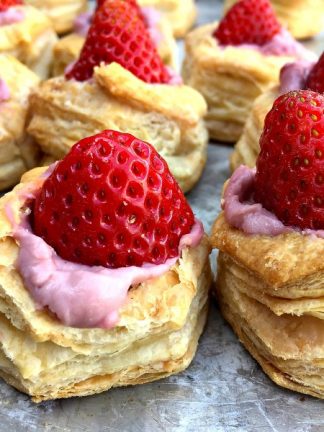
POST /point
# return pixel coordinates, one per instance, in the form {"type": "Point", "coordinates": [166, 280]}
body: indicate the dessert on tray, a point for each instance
{"type": "Point", "coordinates": [181, 14]}
{"type": "Point", "coordinates": [18, 153]}
{"type": "Point", "coordinates": [303, 18]}
{"type": "Point", "coordinates": [271, 240]}
{"type": "Point", "coordinates": [122, 85]}
{"type": "Point", "coordinates": [61, 12]}
{"type": "Point", "coordinates": [104, 272]}
{"type": "Point", "coordinates": [67, 49]}
{"type": "Point", "coordinates": [233, 62]}
{"type": "Point", "coordinates": [27, 34]}
{"type": "Point", "coordinates": [293, 76]}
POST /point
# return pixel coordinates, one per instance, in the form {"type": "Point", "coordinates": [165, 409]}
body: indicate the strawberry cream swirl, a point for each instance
{"type": "Point", "coordinates": [243, 213]}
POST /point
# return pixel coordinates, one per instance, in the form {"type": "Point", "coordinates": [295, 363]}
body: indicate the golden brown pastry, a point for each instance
{"type": "Point", "coordinates": [230, 78]}
{"type": "Point", "coordinates": [303, 18]}
{"type": "Point", "coordinates": [247, 148]}
{"type": "Point", "coordinates": [28, 35]}
{"type": "Point", "coordinates": [180, 13]}
{"type": "Point", "coordinates": [18, 152]}
{"type": "Point", "coordinates": [61, 12]}
{"type": "Point", "coordinates": [156, 335]}
{"type": "Point", "coordinates": [170, 117]}
{"type": "Point", "coordinates": [68, 48]}
{"type": "Point", "coordinates": [273, 298]}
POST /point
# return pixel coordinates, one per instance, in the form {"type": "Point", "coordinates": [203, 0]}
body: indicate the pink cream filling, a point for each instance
{"type": "Point", "coordinates": [82, 23]}
{"type": "Point", "coordinates": [283, 44]}
{"type": "Point", "coordinates": [11, 16]}
{"type": "Point", "coordinates": [293, 76]}
{"type": "Point", "coordinates": [4, 91]}
{"type": "Point", "coordinates": [248, 216]}
{"type": "Point", "coordinates": [80, 295]}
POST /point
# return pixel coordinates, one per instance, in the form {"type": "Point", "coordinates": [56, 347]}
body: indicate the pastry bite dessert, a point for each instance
{"type": "Point", "coordinates": [181, 14]}
{"type": "Point", "coordinates": [122, 85]}
{"type": "Point", "coordinates": [68, 48]}
{"type": "Point", "coordinates": [104, 272]}
{"type": "Point", "coordinates": [62, 13]}
{"type": "Point", "coordinates": [303, 18]}
{"type": "Point", "coordinates": [233, 62]}
{"type": "Point", "coordinates": [27, 34]}
{"type": "Point", "coordinates": [293, 76]}
{"type": "Point", "coordinates": [18, 152]}
{"type": "Point", "coordinates": [271, 240]}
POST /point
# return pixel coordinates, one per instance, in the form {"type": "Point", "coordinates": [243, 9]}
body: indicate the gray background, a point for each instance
{"type": "Point", "coordinates": [223, 389]}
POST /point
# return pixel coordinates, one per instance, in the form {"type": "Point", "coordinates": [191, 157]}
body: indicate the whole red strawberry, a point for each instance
{"type": "Point", "coordinates": [112, 202]}
{"type": "Point", "coordinates": [6, 4]}
{"type": "Point", "coordinates": [315, 79]}
{"type": "Point", "coordinates": [248, 22]}
{"type": "Point", "coordinates": [290, 168]}
{"type": "Point", "coordinates": [118, 34]}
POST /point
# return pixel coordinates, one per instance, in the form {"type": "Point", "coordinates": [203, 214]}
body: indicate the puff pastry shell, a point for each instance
{"type": "Point", "coordinates": [17, 150]}
{"type": "Point", "coordinates": [68, 48]}
{"type": "Point", "coordinates": [229, 78]}
{"type": "Point", "coordinates": [247, 148]}
{"type": "Point", "coordinates": [274, 300]}
{"type": "Point", "coordinates": [31, 40]}
{"type": "Point", "coordinates": [156, 336]}
{"type": "Point", "coordinates": [303, 18]}
{"type": "Point", "coordinates": [180, 13]}
{"type": "Point", "coordinates": [168, 117]}
{"type": "Point", "coordinates": [61, 12]}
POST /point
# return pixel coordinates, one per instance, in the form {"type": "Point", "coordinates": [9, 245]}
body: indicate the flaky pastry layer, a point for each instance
{"type": "Point", "coordinates": [62, 13]}
{"type": "Point", "coordinates": [168, 117]}
{"type": "Point", "coordinates": [229, 78]}
{"type": "Point", "coordinates": [18, 152]}
{"type": "Point", "coordinates": [247, 148]}
{"type": "Point", "coordinates": [31, 40]}
{"type": "Point", "coordinates": [156, 335]}
{"type": "Point", "coordinates": [181, 14]}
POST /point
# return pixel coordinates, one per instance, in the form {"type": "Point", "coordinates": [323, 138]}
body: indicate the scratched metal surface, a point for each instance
{"type": "Point", "coordinates": [223, 389]}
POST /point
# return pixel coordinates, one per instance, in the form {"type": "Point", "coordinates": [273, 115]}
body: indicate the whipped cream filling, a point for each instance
{"type": "Point", "coordinates": [283, 44]}
{"type": "Point", "coordinates": [4, 91]}
{"type": "Point", "coordinates": [79, 295]}
{"type": "Point", "coordinates": [11, 16]}
{"type": "Point", "coordinates": [243, 213]}
{"type": "Point", "coordinates": [293, 76]}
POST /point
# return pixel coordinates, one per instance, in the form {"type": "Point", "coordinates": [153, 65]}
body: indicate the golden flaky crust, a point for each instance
{"type": "Point", "coordinates": [181, 14]}
{"type": "Point", "coordinates": [303, 18]}
{"type": "Point", "coordinates": [18, 153]}
{"type": "Point", "coordinates": [31, 40]}
{"type": "Point", "coordinates": [247, 148]}
{"type": "Point", "coordinates": [229, 78]}
{"type": "Point", "coordinates": [168, 117]}
{"type": "Point", "coordinates": [274, 300]}
{"type": "Point", "coordinates": [156, 336]}
{"type": "Point", "coordinates": [62, 13]}
{"type": "Point", "coordinates": [68, 48]}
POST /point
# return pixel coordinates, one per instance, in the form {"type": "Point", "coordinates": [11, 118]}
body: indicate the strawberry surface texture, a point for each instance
{"type": "Point", "coordinates": [113, 202]}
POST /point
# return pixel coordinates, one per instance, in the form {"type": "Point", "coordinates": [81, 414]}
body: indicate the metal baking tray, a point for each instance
{"type": "Point", "coordinates": [224, 389]}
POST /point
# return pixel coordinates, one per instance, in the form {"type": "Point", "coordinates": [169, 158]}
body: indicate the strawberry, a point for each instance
{"type": "Point", "coordinates": [118, 34]}
{"type": "Point", "coordinates": [290, 168]}
{"type": "Point", "coordinates": [112, 202]}
{"type": "Point", "coordinates": [315, 79]}
{"type": "Point", "coordinates": [6, 4]}
{"type": "Point", "coordinates": [248, 22]}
